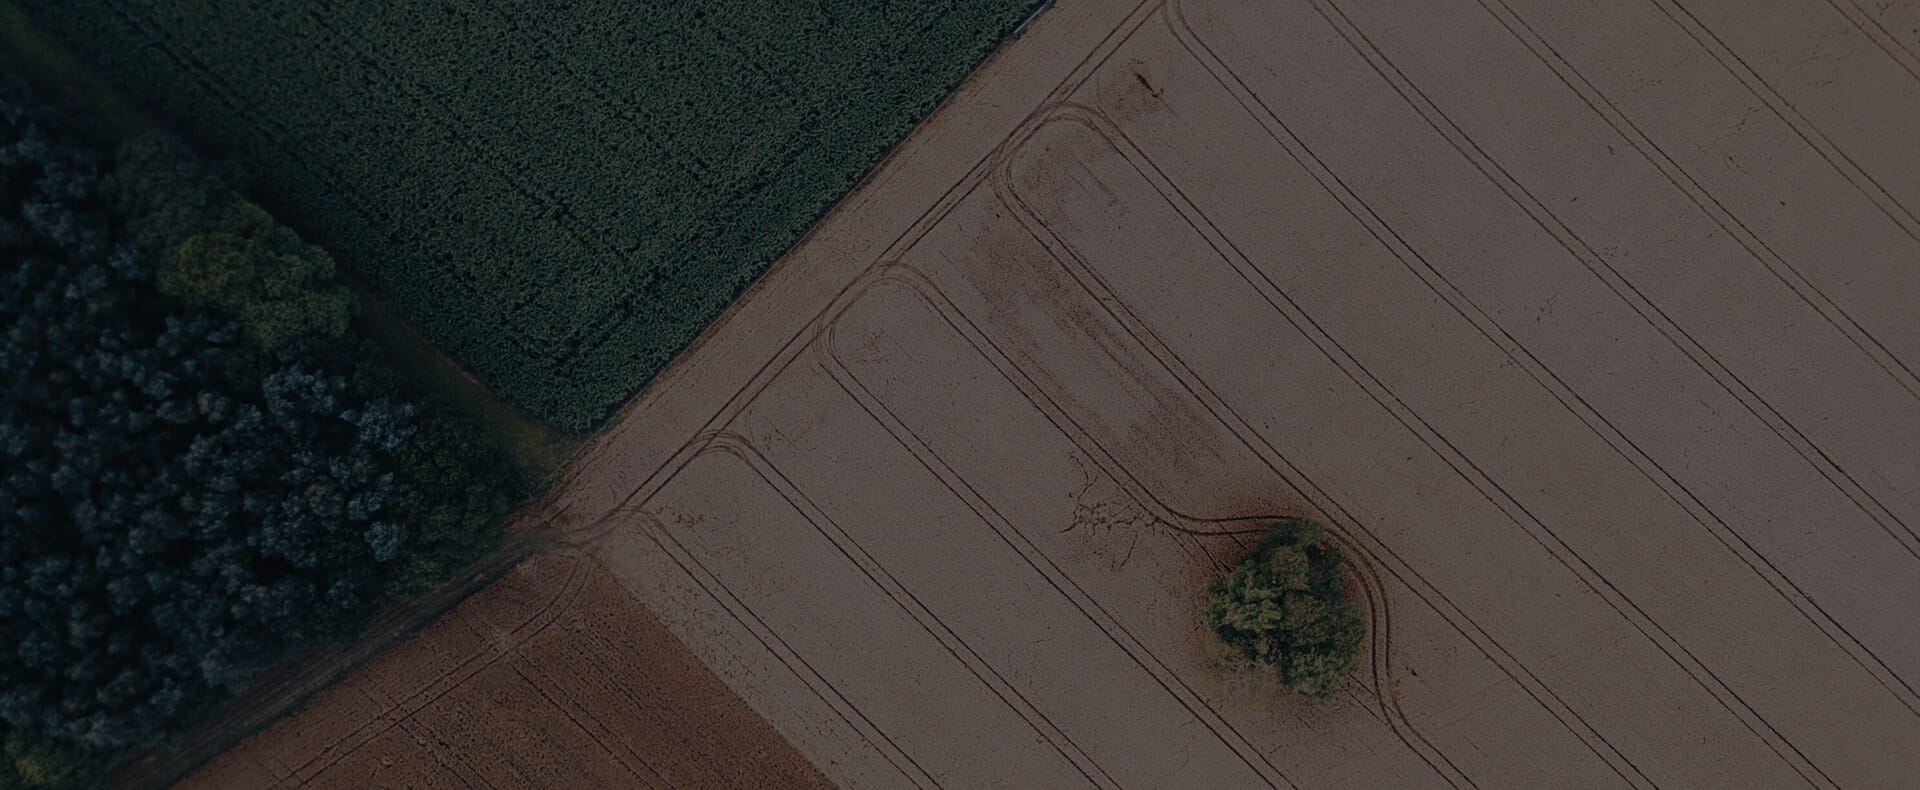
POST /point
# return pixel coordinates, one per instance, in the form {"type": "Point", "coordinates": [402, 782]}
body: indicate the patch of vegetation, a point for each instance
{"type": "Point", "coordinates": [202, 467]}
{"type": "Point", "coordinates": [1284, 610]}
{"type": "Point", "coordinates": [561, 196]}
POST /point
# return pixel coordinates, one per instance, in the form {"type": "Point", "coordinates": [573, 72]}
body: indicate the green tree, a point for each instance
{"type": "Point", "coordinates": [192, 483]}
{"type": "Point", "coordinates": [1284, 609]}
{"type": "Point", "coordinates": [29, 762]}
{"type": "Point", "coordinates": [257, 271]}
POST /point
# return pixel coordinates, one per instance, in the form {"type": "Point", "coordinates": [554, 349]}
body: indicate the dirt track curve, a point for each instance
{"type": "Point", "coordinates": [1588, 327]}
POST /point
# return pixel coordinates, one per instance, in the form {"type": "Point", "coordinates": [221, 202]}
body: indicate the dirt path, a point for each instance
{"type": "Point", "coordinates": [1587, 329]}
{"type": "Point", "coordinates": [550, 677]}
{"type": "Point", "coordinates": [282, 689]}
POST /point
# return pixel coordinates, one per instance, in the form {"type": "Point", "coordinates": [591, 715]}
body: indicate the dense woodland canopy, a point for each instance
{"type": "Point", "coordinates": [201, 465]}
{"type": "Point", "coordinates": [560, 195]}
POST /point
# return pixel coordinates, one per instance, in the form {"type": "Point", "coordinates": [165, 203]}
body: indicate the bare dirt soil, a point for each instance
{"type": "Point", "coordinates": [551, 677]}
{"type": "Point", "coordinates": [1586, 327]}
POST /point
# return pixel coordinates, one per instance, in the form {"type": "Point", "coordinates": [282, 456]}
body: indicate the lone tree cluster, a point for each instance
{"type": "Point", "coordinates": [1284, 610]}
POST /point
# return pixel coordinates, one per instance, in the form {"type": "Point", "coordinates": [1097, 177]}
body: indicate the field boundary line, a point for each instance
{"type": "Point", "coordinates": [1479, 479]}
{"type": "Point", "coordinates": [1165, 516]}
{"type": "Point", "coordinates": [1871, 26]}
{"type": "Point", "coordinates": [312, 675]}
{"type": "Point", "coordinates": [1785, 111]}
{"type": "Point", "coordinates": [606, 229]}
{"type": "Point", "coordinates": [1021, 28]}
{"type": "Point", "coordinates": [1807, 130]}
{"type": "Point", "coordinates": [1569, 75]}
{"type": "Point", "coordinates": [275, 134]}
{"type": "Point", "coordinates": [1102, 294]}
{"type": "Point", "coordinates": [794, 345]}
{"type": "Point", "coordinates": [548, 202]}
{"type": "Point", "coordinates": [1686, 499]}
{"type": "Point", "coordinates": [659, 534]}
{"type": "Point", "coordinates": [552, 203]}
{"type": "Point", "coordinates": [913, 279]}
{"type": "Point", "coordinates": [563, 211]}
{"type": "Point", "coordinates": [438, 750]}
{"type": "Point", "coordinates": [1062, 582]}
{"type": "Point", "coordinates": [596, 661]}
{"type": "Point", "coordinates": [1573, 401]}
{"type": "Point", "coordinates": [663, 380]}
{"type": "Point", "coordinates": [404, 708]}
{"type": "Point", "coordinates": [547, 687]}
{"type": "Point", "coordinates": [734, 445]}
{"type": "Point", "coordinates": [1638, 301]}
{"type": "Point", "coordinates": [1542, 49]}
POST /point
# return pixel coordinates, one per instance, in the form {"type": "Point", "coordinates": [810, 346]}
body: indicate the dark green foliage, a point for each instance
{"type": "Point", "coordinates": [560, 195]}
{"type": "Point", "coordinates": [32, 762]}
{"type": "Point", "coordinates": [257, 271]}
{"type": "Point", "coordinates": [1284, 608]}
{"type": "Point", "coordinates": [190, 487]}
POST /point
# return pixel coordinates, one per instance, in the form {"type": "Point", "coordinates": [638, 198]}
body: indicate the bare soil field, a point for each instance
{"type": "Point", "coordinates": [1587, 327]}
{"type": "Point", "coordinates": [551, 677]}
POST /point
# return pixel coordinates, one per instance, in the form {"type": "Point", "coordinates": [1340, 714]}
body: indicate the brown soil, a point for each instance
{"type": "Point", "coordinates": [1587, 328]}
{"type": "Point", "coordinates": [551, 677]}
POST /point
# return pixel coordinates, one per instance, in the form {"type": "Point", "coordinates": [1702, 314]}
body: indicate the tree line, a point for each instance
{"type": "Point", "coordinates": [202, 465]}
{"type": "Point", "coordinates": [561, 196]}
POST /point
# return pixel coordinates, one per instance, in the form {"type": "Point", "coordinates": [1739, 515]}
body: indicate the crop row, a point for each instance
{"type": "Point", "coordinates": [560, 196]}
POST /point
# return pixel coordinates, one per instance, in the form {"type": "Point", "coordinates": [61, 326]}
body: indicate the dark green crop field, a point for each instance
{"type": "Point", "coordinates": [562, 195]}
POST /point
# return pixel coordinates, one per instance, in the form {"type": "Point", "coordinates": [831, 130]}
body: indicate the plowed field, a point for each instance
{"type": "Point", "coordinates": [1587, 327]}
{"type": "Point", "coordinates": [551, 677]}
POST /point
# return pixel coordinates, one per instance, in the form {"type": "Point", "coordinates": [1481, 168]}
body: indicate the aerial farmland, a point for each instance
{"type": "Point", "coordinates": [1582, 335]}
{"type": "Point", "coordinates": [560, 198]}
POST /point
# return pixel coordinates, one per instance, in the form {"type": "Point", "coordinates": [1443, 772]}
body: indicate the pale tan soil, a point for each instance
{"type": "Point", "coordinates": [551, 677]}
{"type": "Point", "coordinates": [1588, 327]}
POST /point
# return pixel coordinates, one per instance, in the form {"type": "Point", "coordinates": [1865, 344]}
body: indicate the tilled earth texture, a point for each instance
{"type": "Point", "coordinates": [1586, 327]}
{"type": "Point", "coordinates": [551, 677]}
